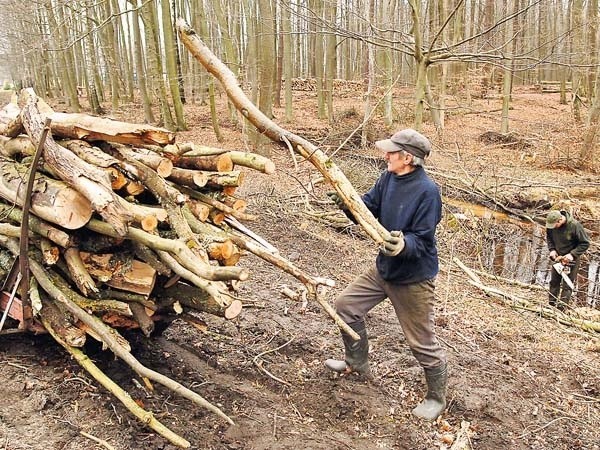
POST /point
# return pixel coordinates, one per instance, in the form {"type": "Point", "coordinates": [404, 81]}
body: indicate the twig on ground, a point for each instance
{"type": "Point", "coordinates": [522, 436]}
{"type": "Point", "coordinates": [259, 363]}
{"type": "Point", "coordinates": [102, 442]}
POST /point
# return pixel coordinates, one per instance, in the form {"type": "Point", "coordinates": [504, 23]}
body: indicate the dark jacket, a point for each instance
{"type": "Point", "coordinates": [570, 238]}
{"type": "Point", "coordinates": [412, 204]}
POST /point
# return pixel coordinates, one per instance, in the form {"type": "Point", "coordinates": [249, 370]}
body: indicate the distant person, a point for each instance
{"type": "Point", "coordinates": [567, 241]}
{"type": "Point", "coordinates": [408, 204]}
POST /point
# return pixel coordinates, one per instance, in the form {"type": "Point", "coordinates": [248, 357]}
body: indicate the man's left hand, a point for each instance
{"type": "Point", "coordinates": [394, 244]}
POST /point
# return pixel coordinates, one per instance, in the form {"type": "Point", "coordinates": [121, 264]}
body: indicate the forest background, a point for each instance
{"type": "Point", "coordinates": [507, 91]}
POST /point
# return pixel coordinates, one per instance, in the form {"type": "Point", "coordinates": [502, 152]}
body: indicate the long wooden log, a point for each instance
{"type": "Point", "coordinates": [51, 200]}
{"type": "Point", "coordinates": [218, 163]}
{"type": "Point", "coordinates": [283, 137]}
{"type": "Point", "coordinates": [245, 159]}
{"type": "Point", "coordinates": [189, 177]}
{"type": "Point", "coordinates": [92, 128]}
{"type": "Point", "coordinates": [221, 179]}
{"type": "Point", "coordinates": [253, 161]}
{"type": "Point", "coordinates": [163, 166]}
{"type": "Point", "coordinates": [207, 199]}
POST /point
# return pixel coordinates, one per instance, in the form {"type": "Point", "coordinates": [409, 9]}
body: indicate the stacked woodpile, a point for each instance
{"type": "Point", "coordinates": [126, 229]}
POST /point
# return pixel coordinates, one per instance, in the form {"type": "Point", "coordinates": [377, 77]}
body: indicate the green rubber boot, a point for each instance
{"type": "Point", "coordinates": [434, 402]}
{"type": "Point", "coordinates": [356, 353]}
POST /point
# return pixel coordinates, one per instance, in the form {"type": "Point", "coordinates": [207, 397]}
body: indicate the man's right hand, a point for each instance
{"type": "Point", "coordinates": [393, 244]}
{"type": "Point", "coordinates": [553, 255]}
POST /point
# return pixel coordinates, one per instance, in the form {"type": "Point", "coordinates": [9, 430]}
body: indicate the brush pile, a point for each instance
{"type": "Point", "coordinates": [126, 229]}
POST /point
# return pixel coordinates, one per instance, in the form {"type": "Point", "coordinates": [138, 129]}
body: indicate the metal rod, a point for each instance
{"type": "Point", "coordinates": [24, 242]}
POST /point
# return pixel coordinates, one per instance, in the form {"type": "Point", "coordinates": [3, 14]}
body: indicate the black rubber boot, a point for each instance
{"type": "Point", "coordinates": [356, 355]}
{"type": "Point", "coordinates": [435, 401]}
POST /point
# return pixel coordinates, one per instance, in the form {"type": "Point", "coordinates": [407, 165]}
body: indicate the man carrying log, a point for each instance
{"type": "Point", "coordinates": [405, 200]}
{"type": "Point", "coordinates": [567, 241]}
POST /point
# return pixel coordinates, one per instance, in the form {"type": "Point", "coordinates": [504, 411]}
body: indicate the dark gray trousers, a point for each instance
{"type": "Point", "coordinates": [413, 304]}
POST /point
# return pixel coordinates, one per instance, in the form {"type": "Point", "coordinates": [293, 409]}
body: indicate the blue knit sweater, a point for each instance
{"type": "Point", "coordinates": [412, 204]}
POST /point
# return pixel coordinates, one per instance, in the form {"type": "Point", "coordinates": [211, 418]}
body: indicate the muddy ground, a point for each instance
{"type": "Point", "coordinates": [517, 380]}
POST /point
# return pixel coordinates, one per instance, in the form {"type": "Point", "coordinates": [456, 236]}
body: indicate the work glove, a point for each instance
{"type": "Point", "coordinates": [567, 259]}
{"type": "Point", "coordinates": [553, 255]}
{"type": "Point", "coordinates": [334, 196]}
{"type": "Point", "coordinates": [394, 244]}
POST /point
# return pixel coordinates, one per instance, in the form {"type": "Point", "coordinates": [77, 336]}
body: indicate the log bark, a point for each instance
{"type": "Point", "coordinates": [252, 161]}
{"type": "Point", "coordinates": [207, 199]}
{"type": "Point", "coordinates": [221, 179]}
{"type": "Point", "coordinates": [267, 127]}
{"type": "Point", "coordinates": [188, 177]}
{"type": "Point", "coordinates": [238, 158]}
{"type": "Point", "coordinates": [20, 145]}
{"type": "Point", "coordinates": [89, 180]}
{"type": "Point", "coordinates": [200, 210]}
{"type": "Point", "coordinates": [62, 325]}
{"type": "Point", "coordinates": [79, 274]}
{"type": "Point", "coordinates": [149, 257]}
{"type": "Point", "coordinates": [197, 299]}
{"type": "Point", "coordinates": [163, 166]}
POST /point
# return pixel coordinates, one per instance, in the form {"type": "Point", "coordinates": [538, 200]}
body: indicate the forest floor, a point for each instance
{"type": "Point", "coordinates": [518, 380]}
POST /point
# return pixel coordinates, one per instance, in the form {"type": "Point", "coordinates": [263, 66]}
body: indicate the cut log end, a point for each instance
{"type": "Point", "coordinates": [165, 168]}
{"type": "Point", "coordinates": [224, 163]}
{"type": "Point", "coordinates": [79, 208]}
{"type": "Point", "coordinates": [233, 310]}
{"type": "Point", "coordinates": [149, 223]}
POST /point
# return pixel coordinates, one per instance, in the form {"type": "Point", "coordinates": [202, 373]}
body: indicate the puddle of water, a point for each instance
{"type": "Point", "coordinates": [520, 253]}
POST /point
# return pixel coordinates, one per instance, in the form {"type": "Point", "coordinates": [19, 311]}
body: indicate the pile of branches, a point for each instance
{"type": "Point", "coordinates": [126, 229]}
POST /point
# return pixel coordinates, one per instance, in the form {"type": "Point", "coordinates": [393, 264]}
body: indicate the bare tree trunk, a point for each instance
{"type": "Point", "coordinates": [286, 30]}
{"type": "Point", "coordinates": [171, 63]}
{"type": "Point", "coordinates": [266, 69]}
{"type": "Point", "coordinates": [92, 65]}
{"type": "Point", "coordinates": [140, 69]}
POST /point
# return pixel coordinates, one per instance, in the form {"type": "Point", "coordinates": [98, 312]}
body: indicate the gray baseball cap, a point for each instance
{"type": "Point", "coordinates": [553, 218]}
{"type": "Point", "coordinates": [409, 140]}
